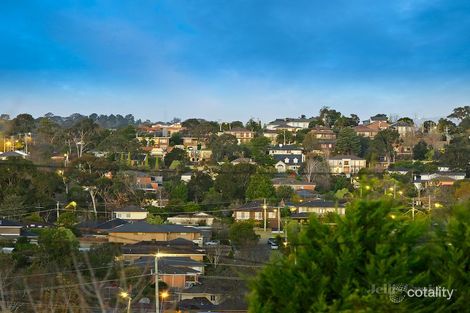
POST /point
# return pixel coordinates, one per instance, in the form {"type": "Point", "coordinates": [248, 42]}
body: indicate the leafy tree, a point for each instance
{"type": "Point", "coordinates": [348, 142]}
{"type": "Point", "coordinates": [176, 154]}
{"type": "Point", "coordinates": [258, 148]}
{"type": "Point", "coordinates": [253, 125]}
{"type": "Point", "coordinates": [457, 153]}
{"type": "Point", "coordinates": [232, 180]}
{"type": "Point", "coordinates": [284, 193]}
{"type": "Point", "coordinates": [406, 120]}
{"type": "Point", "coordinates": [382, 144]}
{"type": "Point", "coordinates": [154, 219]}
{"type": "Point", "coordinates": [57, 246]}
{"type": "Point", "coordinates": [444, 125]}
{"type": "Point", "coordinates": [336, 271]}
{"type": "Point", "coordinates": [236, 124]}
{"type": "Point", "coordinates": [428, 126]}
{"type": "Point", "coordinates": [67, 220]}
{"type": "Point", "coordinates": [420, 150]}
{"type": "Point", "coordinates": [260, 186]}
{"type": "Point", "coordinates": [242, 234]}
{"type": "Point", "coordinates": [460, 113]}
{"type": "Point", "coordinates": [100, 256]}
{"type": "Point", "coordinates": [224, 147]}
{"type": "Point", "coordinates": [199, 184]}
{"type": "Point", "coordinates": [344, 121]}
{"type": "Point", "coordinates": [310, 142]}
{"type": "Point", "coordinates": [329, 116]}
{"type": "Point", "coordinates": [177, 190]}
{"type": "Point", "coordinates": [22, 123]}
{"type": "Point", "coordinates": [176, 139]}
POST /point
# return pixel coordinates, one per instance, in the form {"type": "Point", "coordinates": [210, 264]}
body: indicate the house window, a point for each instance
{"type": "Point", "coordinates": [286, 160]}
{"type": "Point", "coordinates": [271, 215]}
{"type": "Point", "coordinates": [212, 298]}
{"type": "Point", "coordinates": [296, 160]}
{"type": "Point", "coordinates": [258, 216]}
{"type": "Point", "coordinates": [243, 215]}
{"type": "Point", "coordinates": [128, 215]}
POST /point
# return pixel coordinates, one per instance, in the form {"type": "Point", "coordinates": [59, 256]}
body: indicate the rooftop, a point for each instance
{"type": "Point", "coordinates": [144, 227]}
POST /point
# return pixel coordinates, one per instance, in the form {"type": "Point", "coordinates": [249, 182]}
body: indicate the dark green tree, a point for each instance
{"type": "Point", "coordinates": [420, 150]}
{"type": "Point", "coordinates": [199, 184]}
{"type": "Point", "coordinates": [176, 154]}
{"type": "Point", "coordinates": [348, 142]}
{"type": "Point", "coordinates": [259, 187]}
{"type": "Point", "coordinates": [242, 234]}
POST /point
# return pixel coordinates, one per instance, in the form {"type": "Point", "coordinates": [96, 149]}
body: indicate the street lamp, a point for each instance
{"type": "Point", "coordinates": [125, 295]}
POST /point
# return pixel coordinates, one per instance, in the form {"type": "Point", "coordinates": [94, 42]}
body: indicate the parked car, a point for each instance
{"type": "Point", "coordinates": [273, 243]}
{"type": "Point", "coordinates": [213, 243]}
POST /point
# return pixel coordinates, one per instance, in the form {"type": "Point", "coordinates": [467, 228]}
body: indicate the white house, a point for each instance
{"type": "Point", "coordinates": [346, 164]}
{"type": "Point", "coordinates": [130, 213]}
{"type": "Point", "coordinates": [192, 219]}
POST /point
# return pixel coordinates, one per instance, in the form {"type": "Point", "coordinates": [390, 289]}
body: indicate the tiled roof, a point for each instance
{"type": "Point", "coordinates": [144, 227]}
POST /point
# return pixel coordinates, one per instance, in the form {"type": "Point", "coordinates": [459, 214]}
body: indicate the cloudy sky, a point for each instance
{"type": "Point", "coordinates": [234, 59]}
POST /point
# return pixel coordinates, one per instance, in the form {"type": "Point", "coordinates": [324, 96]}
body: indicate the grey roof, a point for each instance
{"type": "Point", "coordinates": [320, 204]}
{"type": "Point", "coordinates": [341, 157]}
{"type": "Point", "coordinates": [144, 227]}
{"type": "Point", "coordinates": [8, 223]}
{"type": "Point", "coordinates": [12, 154]}
{"type": "Point", "coordinates": [111, 224]}
{"type": "Point", "coordinates": [290, 157]}
{"type": "Point", "coordinates": [130, 208]}
{"type": "Point", "coordinates": [286, 147]}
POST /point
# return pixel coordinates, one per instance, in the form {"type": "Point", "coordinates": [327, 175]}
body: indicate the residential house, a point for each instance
{"type": "Point", "coordinates": [288, 162]}
{"type": "Point", "coordinates": [243, 160]}
{"type": "Point", "coordinates": [285, 149]}
{"type": "Point", "coordinates": [13, 154]}
{"type": "Point", "coordinates": [365, 131]}
{"type": "Point", "coordinates": [243, 135]}
{"type": "Point", "coordinates": [403, 128]}
{"type": "Point", "coordinates": [377, 118]}
{"type": "Point", "coordinates": [195, 219]}
{"type": "Point", "coordinates": [303, 210]}
{"type": "Point", "coordinates": [130, 213]}
{"type": "Point", "coordinates": [10, 230]}
{"type": "Point", "coordinates": [167, 129]}
{"type": "Point", "coordinates": [142, 231]}
{"type": "Point", "coordinates": [323, 133]}
{"type": "Point", "coordinates": [217, 292]}
{"type": "Point", "coordinates": [293, 183]}
{"type": "Point", "coordinates": [255, 211]}
{"type": "Point", "coordinates": [178, 247]}
{"type": "Point", "coordinates": [346, 164]}
{"type": "Point", "coordinates": [199, 155]}
{"type": "Point", "coordinates": [144, 181]}
{"type": "Point", "coordinates": [186, 177]}
{"type": "Point", "coordinates": [291, 124]}
{"type": "Point", "coordinates": [438, 178]}
{"type": "Point", "coordinates": [271, 135]}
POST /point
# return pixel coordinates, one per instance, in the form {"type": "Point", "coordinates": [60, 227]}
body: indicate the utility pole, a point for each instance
{"type": "Point", "coordinates": [157, 300]}
{"type": "Point", "coordinates": [57, 210]}
{"type": "Point", "coordinates": [264, 215]}
{"type": "Point", "coordinates": [413, 209]}
{"type": "Point", "coordinates": [278, 220]}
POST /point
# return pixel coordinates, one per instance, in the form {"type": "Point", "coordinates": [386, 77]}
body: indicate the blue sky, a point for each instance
{"type": "Point", "coordinates": [234, 59]}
